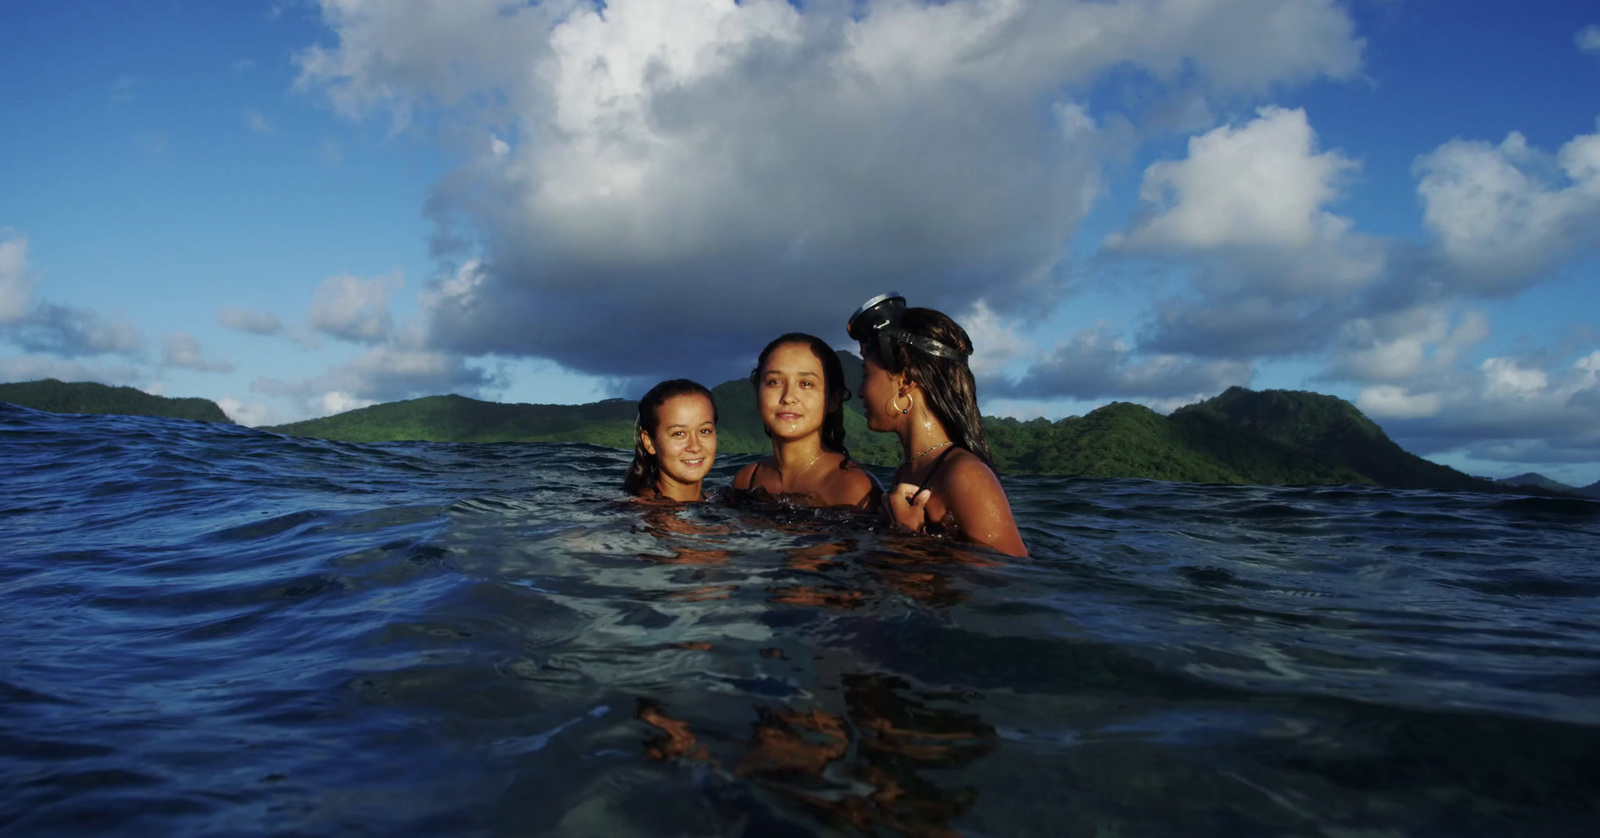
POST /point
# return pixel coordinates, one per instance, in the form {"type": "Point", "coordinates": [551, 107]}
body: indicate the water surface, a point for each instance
{"type": "Point", "coordinates": [211, 630]}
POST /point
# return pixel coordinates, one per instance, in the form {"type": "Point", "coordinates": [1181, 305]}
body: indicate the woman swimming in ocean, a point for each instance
{"type": "Point", "coordinates": [675, 442]}
{"type": "Point", "coordinates": [800, 393]}
{"type": "Point", "coordinates": [915, 383]}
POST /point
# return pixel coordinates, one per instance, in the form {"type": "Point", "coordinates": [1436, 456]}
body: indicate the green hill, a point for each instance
{"type": "Point", "coordinates": [460, 419]}
{"type": "Point", "coordinates": [1118, 440]}
{"type": "Point", "coordinates": [1271, 437]}
{"type": "Point", "coordinates": [1291, 436]}
{"type": "Point", "coordinates": [1241, 436]}
{"type": "Point", "coordinates": [90, 397]}
{"type": "Point", "coordinates": [610, 422]}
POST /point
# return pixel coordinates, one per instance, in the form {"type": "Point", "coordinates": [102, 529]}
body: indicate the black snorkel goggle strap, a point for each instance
{"type": "Point", "coordinates": [880, 316]}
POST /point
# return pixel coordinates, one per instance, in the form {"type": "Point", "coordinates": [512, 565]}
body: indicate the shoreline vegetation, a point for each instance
{"type": "Point", "coordinates": [1269, 437]}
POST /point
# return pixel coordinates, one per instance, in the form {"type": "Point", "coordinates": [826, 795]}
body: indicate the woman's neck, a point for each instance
{"type": "Point", "coordinates": [795, 456]}
{"type": "Point", "coordinates": [678, 491]}
{"type": "Point", "coordinates": [920, 433]}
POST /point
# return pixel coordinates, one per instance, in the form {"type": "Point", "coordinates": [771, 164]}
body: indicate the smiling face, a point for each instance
{"type": "Point", "coordinates": [684, 444]}
{"type": "Point", "coordinates": [792, 392]}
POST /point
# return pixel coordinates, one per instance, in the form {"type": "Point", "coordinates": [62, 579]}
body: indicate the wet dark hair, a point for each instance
{"type": "Point", "coordinates": [951, 391]}
{"type": "Point", "coordinates": [834, 393]}
{"type": "Point", "coordinates": [643, 471]}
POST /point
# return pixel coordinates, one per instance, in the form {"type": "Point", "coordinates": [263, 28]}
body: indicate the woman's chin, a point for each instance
{"type": "Point", "coordinates": [790, 434]}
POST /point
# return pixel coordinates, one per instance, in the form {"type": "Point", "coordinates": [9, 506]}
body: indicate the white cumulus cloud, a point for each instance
{"type": "Point", "coordinates": [996, 342]}
{"type": "Point", "coordinates": [71, 331]}
{"type": "Point", "coordinates": [1506, 214]}
{"type": "Point", "coordinates": [695, 173]}
{"type": "Point", "coordinates": [1387, 401]}
{"type": "Point", "coordinates": [1254, 197]}
{"type": "Point", "coordinates": [1405, 345]}
{"type": "Point", "coordinates": [38, 326]}
{"type": "Point", "coordinates": [1505, 409]}
{"type": "Point", "coordinates": [249, 414]}
{"type": "Point", "coordinates": [338, 401]}
{"type": "Point", "coordinates": [1271, 270]}
{"type": "Point", "coordinates": [1260, 184]}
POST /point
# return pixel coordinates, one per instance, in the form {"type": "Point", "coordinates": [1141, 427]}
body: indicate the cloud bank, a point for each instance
{"type": "Point", "coordinates": [39, 326]}
{"type": "Point", "coordinates": [654, 187]}
{"type": "Point", "coordinates": [649, 188]}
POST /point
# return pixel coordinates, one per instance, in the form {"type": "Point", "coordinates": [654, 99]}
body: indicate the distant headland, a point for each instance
{"type": "Point", "coordinates": [91, 397]}
{"type": "Point", "coordinates": [1269, 437]}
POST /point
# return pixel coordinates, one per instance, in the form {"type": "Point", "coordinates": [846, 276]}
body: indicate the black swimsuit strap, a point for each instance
{"type": "Point", "coordinates": [753, 472]}
{"type": "Point", "coordinates": [937, 464]}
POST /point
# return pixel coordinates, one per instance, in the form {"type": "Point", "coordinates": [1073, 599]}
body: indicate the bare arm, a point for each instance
{"type": "Point", "coordinates": [971, 490]}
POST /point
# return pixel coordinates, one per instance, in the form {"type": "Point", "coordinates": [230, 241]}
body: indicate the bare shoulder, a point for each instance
{"type": "Point", "coordinates": [973, 492]}
{"type": "Point", "coordinates": [851, 485]}
{"type": "Point", "coordinates": [746, 473]}
{"type": "Point", "coordinates": [967, 471]}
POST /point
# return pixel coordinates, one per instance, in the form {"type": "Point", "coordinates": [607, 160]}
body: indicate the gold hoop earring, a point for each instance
{"type": "Point", "coordinates": [910, 403]}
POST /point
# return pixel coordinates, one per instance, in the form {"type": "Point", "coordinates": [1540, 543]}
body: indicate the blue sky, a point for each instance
{"type": "Point", "coordinates": [295, 208]}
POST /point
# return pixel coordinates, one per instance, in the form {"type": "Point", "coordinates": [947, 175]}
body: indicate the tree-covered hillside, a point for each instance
{"type": "Point", "coordinates": [460, 419]}
{"type": "Point", "coordinates": [1292, 436]}
{"type": "Point", "coordinates": [609, 423]}
{"type": "Point", "coordinates": [1241, 436]}
{"type": "Point", "coordinates": [90, 397]}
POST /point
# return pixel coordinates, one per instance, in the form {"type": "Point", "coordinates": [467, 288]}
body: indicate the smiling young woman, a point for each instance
{"type": "Point", "coordinates": [800, 393]}
{"type": "Point", "coordinates": [675, 442]}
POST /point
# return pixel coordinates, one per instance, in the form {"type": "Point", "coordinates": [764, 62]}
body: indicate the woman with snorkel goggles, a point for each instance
{"type": "Point", "coordinates": [915, 383]}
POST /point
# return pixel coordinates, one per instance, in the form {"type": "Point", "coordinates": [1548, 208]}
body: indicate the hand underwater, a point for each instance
{"type": "Point", "coordinates": [907, 506]}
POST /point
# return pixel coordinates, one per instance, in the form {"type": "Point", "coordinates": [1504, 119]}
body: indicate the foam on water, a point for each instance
{"type": "Point", "coordinates": [213, 630]}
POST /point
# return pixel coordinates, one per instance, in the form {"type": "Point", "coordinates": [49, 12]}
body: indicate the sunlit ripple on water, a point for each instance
{"type": "Point", "coordinates": [213, 630]}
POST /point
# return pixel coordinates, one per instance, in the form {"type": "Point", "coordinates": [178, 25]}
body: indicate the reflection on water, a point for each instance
{"type": "Point", "coordinates": [217, 631]}
{"type": "Point", "coordinates": [870, 766]}
{"type": "Point", "coordinates": [865, 765]}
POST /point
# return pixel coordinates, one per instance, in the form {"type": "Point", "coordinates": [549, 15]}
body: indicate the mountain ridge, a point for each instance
{"type": "Point", "coordinates": [1240, 436]}
{"type": "Point", "coordinates": [1534, 478]}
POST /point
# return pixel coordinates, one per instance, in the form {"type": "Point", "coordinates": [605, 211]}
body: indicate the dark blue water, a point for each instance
{"type": "Point", "coordinates": [209, 630]}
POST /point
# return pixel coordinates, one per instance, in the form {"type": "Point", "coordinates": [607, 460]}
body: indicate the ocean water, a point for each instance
{"type": "Point", "coordinates": [209, 630]}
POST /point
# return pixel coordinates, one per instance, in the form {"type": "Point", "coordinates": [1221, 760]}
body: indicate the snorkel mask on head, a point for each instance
{"type": "Point", "coordinates": [880, 317]}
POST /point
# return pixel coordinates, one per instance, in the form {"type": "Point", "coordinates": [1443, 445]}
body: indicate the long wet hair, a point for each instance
{"type": "Point", "coordinates": [834, 393]}
{"type": "Point", "coordinates": [951, 391]}
{"type": "Point", "coordinates": [643, 471]}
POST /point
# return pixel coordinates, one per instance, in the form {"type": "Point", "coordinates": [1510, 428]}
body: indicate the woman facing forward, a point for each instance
{"type": "Point", "coordinates": [675, 442]}
{"type": "Point", "coordinates": [800, 393]}
{"type": "Point", "coordinates": [916, 384]}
